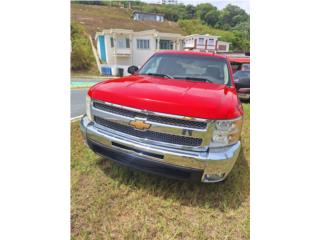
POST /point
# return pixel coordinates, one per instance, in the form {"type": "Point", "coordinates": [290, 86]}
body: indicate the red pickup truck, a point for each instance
{"type": "Point", "coordinates": [178, 116]}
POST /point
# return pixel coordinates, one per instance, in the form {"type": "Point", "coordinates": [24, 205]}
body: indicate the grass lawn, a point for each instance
{"type": "Point", "coordinates": [112, 202]}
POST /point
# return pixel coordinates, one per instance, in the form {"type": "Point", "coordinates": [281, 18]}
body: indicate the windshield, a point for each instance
{"type": "Point", "coordinates": [242, 74]}
{"type": "Point", "coordinates": [190, 67]}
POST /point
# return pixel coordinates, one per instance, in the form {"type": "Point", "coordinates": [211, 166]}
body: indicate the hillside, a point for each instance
{"type": "Point", "coordinates": [96, 18]}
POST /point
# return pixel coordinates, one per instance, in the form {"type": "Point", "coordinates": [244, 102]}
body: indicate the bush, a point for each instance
{"type": "Point", "coordinates": [81, 55]}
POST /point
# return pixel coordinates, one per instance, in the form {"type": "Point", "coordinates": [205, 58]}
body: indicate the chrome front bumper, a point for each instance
{"type": "Point", "coordinates": [214, 164]}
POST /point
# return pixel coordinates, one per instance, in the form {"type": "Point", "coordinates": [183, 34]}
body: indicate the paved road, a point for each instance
{"type": "Point", "coordinates": [78, 102]}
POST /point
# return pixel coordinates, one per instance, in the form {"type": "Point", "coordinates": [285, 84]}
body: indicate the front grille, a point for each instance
{"type": "Point", "coordinates": [150, 135]}
{"type": "Point", "coordinates": [151, 118]}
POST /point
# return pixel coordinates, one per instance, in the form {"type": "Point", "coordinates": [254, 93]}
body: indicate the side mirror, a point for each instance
{"type": "Point", "coordinates": [132, 69]}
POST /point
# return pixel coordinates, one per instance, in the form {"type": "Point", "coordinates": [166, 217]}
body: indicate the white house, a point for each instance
{"type": "Point", "coordinates": [120, 48]}
{"type": "Point", "coordinates": [145, 16]}
{"type": "Point", "coordinates": [205, 43]}
{"type": "Point", "coordinates": [198, 42]}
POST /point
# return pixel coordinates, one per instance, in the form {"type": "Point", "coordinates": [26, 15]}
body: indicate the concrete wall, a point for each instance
{"type": "Point", "coordinates": [140, 56]}
{"type": "Point", "coordinates": [124, 60]}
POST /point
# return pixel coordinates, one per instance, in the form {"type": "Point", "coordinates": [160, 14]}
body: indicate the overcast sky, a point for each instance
{"type": "Point", "coordinates": [218, 3]}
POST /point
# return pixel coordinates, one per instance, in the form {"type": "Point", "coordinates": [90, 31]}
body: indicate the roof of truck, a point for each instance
{"type": "Point", "coordinates": [191, 53]}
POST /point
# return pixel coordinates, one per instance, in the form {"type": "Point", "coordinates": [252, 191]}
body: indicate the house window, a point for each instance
{"type": "Point", "coordinates": [211, 42]}
{"type": "Point", "coordinates": [222, 47]}
{"type": "Point", "coordinates": [111, 42]}
{"type": "Point", "coordinates": [201, 41]}
{"type": "Point", "coordinates": [166, 44]}
{"type": "Point", "coordinates": [123, 43]}
{"type": "Point", "coordinates": [143, 44]}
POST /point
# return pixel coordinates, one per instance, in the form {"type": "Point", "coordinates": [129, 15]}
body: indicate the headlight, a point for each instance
{"type": "Point", "coordinates": [226, 132]}
{"type": "Point", "coordinates": [88, 107]}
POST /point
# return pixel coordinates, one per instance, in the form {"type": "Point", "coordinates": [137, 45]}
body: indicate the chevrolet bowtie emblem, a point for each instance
{"type": "Point", "coordinates": [139, 124]}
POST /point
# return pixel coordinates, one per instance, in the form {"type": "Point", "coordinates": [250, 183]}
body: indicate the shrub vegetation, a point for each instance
{"type": "Point", "coordinates": [81, 57]}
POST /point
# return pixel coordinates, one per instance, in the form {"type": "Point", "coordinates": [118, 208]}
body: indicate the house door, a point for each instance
{"type": "Point", "coordinates": [102, 47]}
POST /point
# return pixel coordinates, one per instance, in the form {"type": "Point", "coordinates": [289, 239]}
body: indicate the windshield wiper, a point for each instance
{"type": "Point", "coordinates": [195, 78]}
{"type": "Point", "coordinates": [160, 75]}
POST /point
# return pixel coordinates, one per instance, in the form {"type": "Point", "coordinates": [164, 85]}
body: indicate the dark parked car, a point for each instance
{"type": "Point", "coordinates": [242, 82]}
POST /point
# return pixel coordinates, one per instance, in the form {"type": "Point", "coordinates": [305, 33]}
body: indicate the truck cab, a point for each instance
{"type": "Point", "coordinates": [178, 116]}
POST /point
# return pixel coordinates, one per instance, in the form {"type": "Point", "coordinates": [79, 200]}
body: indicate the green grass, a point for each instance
{"type": "Point", "coordinates": [112, 202]}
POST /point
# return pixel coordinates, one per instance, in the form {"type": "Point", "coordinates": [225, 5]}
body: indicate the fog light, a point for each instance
{"type": "Point", "coordinates": [216, 177]}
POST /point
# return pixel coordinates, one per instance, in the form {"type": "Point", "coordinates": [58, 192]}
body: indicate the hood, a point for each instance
{"type": "Point", "coordinates": [171, 96]}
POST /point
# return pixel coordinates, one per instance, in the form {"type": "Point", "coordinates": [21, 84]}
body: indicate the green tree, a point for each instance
{"type": "Point", "coordinates": [212, 17]}
{"type": "Point", "coordinates": [239, 42]}
{"type": "Point", "coordinates": [243, 28]}
{"type": "Point", "coordinates": [81, 55]}
{"type": "Point", "coordinates": [190, 11]}
{"type": "Point", "coordinates": [232, 15]}
{"type": "Point", "coordinates": [202, 9]}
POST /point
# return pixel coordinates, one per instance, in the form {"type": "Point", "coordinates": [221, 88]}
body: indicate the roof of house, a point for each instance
{"type": "Point", "coordinates": [202, 35]}
{"type": "Point", "coordinates": [156, 32]}
{"type": "Point", "coordinates": [145, 32]}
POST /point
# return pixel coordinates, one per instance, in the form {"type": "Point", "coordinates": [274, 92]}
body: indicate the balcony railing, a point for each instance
{"type": "Point", "coordinates": [123, 51]}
